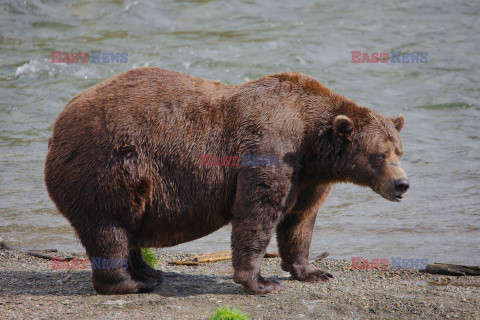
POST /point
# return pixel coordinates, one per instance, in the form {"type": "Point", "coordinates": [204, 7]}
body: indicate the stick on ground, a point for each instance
{"type": "Point", "coordinates": [213, 257]}
{"type": "Point", "coordinates": [47, 256]}
{"type": "Point", "coordinates": [452, 269]}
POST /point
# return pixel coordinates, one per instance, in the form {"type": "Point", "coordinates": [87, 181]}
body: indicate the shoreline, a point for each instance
{"type": "Point", "coordinates": [31, 288]}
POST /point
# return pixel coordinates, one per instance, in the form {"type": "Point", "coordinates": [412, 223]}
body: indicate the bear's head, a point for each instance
{"type": "Point", "coordinates": [370, 152]}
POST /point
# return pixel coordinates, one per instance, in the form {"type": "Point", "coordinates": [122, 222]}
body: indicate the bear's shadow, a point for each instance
{"type": "Point", "coordinates": [79, 283]}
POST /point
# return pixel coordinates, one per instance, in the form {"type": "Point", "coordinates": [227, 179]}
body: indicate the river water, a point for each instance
{"type": "Point", "coordinates": [233, 41]}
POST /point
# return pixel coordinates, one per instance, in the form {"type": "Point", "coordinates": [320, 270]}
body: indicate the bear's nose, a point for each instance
{"type": "Point", "coordinates": [402, 185]}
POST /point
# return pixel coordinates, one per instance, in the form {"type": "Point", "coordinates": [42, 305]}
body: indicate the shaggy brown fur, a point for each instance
{"type": "Point", "coordinates": [124, 167]}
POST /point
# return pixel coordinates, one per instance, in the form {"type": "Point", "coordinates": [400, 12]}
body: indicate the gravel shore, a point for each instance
{"type": "Point", "coordinates": [31, 289]}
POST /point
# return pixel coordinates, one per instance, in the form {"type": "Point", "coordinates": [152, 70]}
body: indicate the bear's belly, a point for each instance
{"type": "Point", "coordinates": [167, 231]}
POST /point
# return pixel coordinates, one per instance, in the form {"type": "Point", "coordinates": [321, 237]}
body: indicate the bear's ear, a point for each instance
{"type": "Point", "coordinates": [343, 126]}
{"type": "Point", "coordinates": [398, 122]}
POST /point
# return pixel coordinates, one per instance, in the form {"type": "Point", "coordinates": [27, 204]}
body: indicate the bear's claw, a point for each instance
{"type": "Point", "coordinates": [263, 286]}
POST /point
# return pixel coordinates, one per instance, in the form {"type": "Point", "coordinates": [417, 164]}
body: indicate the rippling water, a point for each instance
{"type": "Point", "coordinates": [232, 41]}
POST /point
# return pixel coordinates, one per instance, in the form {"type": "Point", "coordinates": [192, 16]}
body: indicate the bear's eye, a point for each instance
{"type": "Point", "coordinates": [382, 156]}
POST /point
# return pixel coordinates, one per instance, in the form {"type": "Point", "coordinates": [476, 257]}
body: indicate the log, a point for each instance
{"type": "Point", "coordinates": [452, 269]}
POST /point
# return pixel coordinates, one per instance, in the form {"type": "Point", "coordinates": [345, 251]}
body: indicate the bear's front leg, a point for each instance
{"type": "Point", "coordinates": [259, 204]}
{"type": "Point", "coordinates": [294, 235]}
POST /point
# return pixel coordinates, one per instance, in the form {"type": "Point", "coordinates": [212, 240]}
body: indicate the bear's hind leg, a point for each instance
{"type": "Point", "coordinates": [142, 269]}
{"type": "Point", "coordinates": [119, 281]}
{"type": "Point", "coordinates": [109, 247]}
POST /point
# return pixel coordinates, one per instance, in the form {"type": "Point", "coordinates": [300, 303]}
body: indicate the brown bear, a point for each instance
{"type": "Point", "coordinates": [124, 166]}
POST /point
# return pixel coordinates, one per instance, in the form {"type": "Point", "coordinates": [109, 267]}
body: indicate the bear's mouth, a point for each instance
{"type": "Point", "coordinates": [391, 197]}
{"type": "Point", "coordinates": [395, 198]}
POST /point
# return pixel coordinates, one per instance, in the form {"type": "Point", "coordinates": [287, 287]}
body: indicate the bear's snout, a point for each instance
{"type": "Point", "coordinates": [401, 185]}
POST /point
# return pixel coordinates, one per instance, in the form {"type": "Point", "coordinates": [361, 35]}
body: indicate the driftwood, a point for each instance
{"type": "Point", "coordinates": [44, 250]}
{"type": "Point", "coordinates": [213, 257]}
{"type": "Point", "coordinates": [184, 263]}
{"type": "Point", "coordinates": [47, 256]}
{"type": "Point", "coordinates": [452, 269]}
{"type": "Point", "coordinates": [4, 246]}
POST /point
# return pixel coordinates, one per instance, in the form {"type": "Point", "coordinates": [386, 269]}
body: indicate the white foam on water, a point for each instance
{"type": "Point", "coordinates": [38, 66]}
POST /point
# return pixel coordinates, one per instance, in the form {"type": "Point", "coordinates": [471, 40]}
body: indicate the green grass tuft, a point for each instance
{"type": "Point", "coordinates": [149, 256]}
{"type": "Point", "coordinates": [228, 313]}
